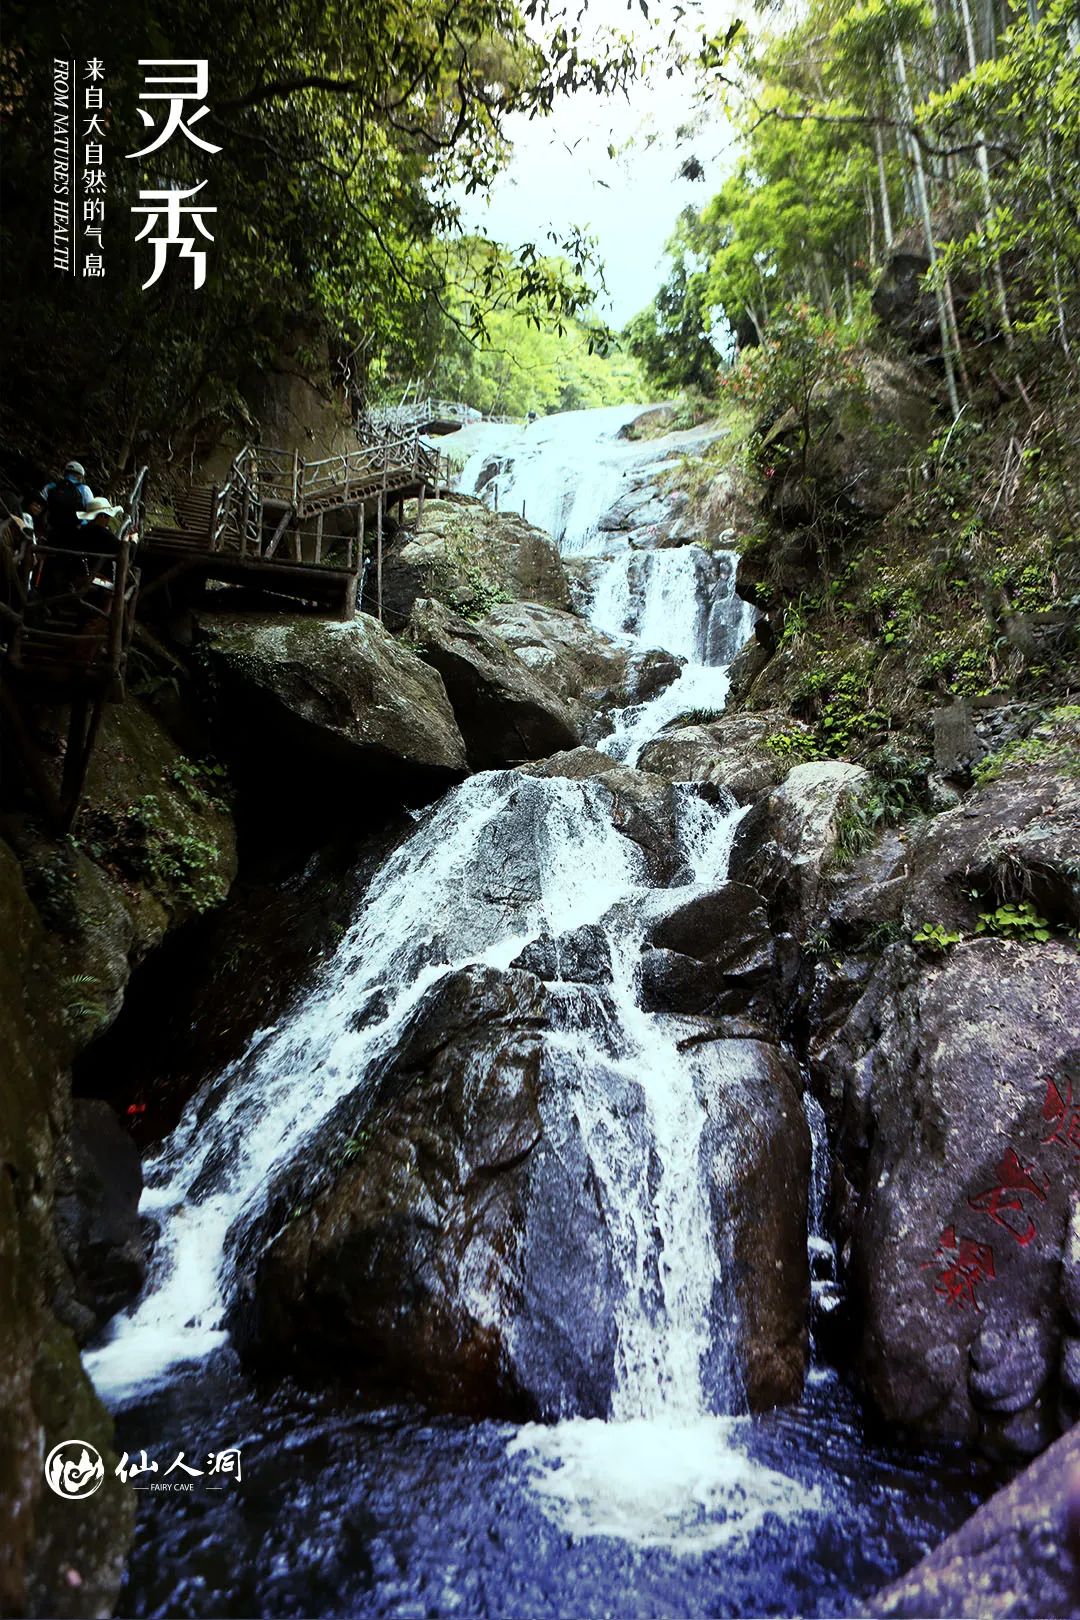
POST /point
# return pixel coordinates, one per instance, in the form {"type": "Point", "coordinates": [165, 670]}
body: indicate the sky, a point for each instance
{"type": "Point", "coordinates": [560, 173]}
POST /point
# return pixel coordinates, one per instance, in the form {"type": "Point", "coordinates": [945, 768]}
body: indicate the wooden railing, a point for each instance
{"type": "Point", "coordinates": [415, 412]}
{"type": "Point", "coordinates": [263, 482]}
{"type": "Point", "coordinates": [134, 506]}
{"type": "Point", "coordinates": [236, 513]}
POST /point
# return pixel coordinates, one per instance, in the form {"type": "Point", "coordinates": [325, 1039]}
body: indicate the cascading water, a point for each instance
{"type": "Point", "coordinates": [673, 1472]}
{"type": "Point", "coordinates": [583, 486]}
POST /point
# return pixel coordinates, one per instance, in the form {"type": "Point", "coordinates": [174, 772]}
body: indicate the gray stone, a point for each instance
{"type": "Point", "coordinates": [97, 1212]}
{"type": "Point", "coordinates": [505, 712]}
{"type": "Point", "coordinates": [305, 701]}
{"type": "Point", "coordinates": [1011, 1559]}
{"type": "Point", "coordinates": [783, 847]}
{"type": "Point", "coordinates": [936, 1084]}
{"type": "Point", "coordinates": [730, 752]}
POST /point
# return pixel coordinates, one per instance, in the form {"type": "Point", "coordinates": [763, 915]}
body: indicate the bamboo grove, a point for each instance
{"type": "Point", "coordinates": [947, 130]}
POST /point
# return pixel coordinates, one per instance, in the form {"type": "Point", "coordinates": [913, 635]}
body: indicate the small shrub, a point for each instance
{"type": "Point", "coordinates": [1014, 921]}
{"type": "Point", "coordinates": [934, 937]}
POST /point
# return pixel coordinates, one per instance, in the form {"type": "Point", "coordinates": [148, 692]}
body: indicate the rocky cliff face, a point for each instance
{"type": "Point", "coordinates": [155, 848]}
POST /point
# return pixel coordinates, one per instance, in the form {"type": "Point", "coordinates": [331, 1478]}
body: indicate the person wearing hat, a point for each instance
{"type": "Point", "coordinates": [64, 499]}
{"type": "Point", "coordinates": [96, 521]}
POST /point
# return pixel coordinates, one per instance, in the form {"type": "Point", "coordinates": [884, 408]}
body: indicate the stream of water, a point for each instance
{"type": "Point", "coordinates": [676, 1502]}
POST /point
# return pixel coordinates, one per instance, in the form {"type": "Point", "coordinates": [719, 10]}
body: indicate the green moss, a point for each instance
{"type": "Point", "coordinates": [1060, 749]}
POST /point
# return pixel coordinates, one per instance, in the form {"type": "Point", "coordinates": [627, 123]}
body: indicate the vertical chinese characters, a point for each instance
{"type": "Point", "coordinates": [172, 221]}
{"type": "Point", "coordinates": [93, 173]}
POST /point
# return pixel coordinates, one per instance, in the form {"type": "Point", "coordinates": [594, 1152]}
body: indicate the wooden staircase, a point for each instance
{"type": "Point", "coordinates": [264, 526]}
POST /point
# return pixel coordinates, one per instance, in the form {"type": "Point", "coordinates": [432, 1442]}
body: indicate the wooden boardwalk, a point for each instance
{"type": "Point", "coordinates": [265, 525]}
{"type": "Point", "coordinates": [278, 523]}
{"type": "Point", "coordinates": [65, 639]}
{"type": "Point", "coordinates": [431, 416]}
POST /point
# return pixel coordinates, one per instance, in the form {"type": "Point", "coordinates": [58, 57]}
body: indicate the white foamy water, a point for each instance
{"type": "Point", "coordinates": [569, 471]}
{"type": "Point", "coordinates": [666, 1469]}
{"type": "Point", "coordinates": [427, 912]}
{"type": "Point", "coordinates": [688, 1486]}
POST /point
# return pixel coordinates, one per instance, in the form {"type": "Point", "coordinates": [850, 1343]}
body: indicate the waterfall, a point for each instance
{"type": "Point", "coordinates": [570, 473]}
{"type": "Point", "coordinates": [666, 1468]}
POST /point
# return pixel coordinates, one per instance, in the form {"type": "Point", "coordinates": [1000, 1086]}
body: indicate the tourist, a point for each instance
{"type": "Point", "coordinates": [64, 498]}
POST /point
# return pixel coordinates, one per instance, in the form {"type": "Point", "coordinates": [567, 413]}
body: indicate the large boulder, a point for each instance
{"type": "Point", "coordinates": [731, 752]}
{"type": "Point", "coordinates": [155, 849]}
{"type": "Point", "coordinates": [954, 1090]}
{"type": "Point", "coordinates": [1015, 1557]}
{"type": "Point", "coordinates": [784, 845]}
{"type": "Point", "coordinates": [594, 675]}
{"type": "Point", "coordinates": [304, 705]}
{"type": "Point", "coordinates": [422, 1239]}
{"type": "Point", "coordinates": [469, 558]}
{"type": "Point", "coordinates": [756, 1150]}
{"type": "Point", "coordinates": [715, 956]}
{"type": "Point", "coordinates": [506, 713]}
{"type": "Point", "coordinates": [99, 1184]}
{"type": "Point", "coordinates": [1013, 840]}
{"type": "Point", "coordinates": [435, 1260]}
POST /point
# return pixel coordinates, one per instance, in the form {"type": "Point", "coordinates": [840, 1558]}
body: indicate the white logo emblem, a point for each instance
{"type": "Point", "coordinates": [74, 1470]}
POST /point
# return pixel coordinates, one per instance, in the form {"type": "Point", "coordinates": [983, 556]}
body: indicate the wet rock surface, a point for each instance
{"type": "Point", "coordinates": [756, 1153]}
{"type": "Point", "coordinates": [1016, 1556]}
{"type": "Point", "coordinates": [505, 711]}
{"type": "Point", "coordinates": [592, 673]}
{"type": "Point", "coordinates": [97, 1213]}
{"type": "Point", "coordinates": [783, 846]}
{"type": "Point", "coordinates": [45, 1395]}
{"type": "Point", "coordinates": [715, 956]}
{"type": "Point", "coordinates": [731, 752]}
{"type": "Point", "coordinates": [437, 1261]}
{"type": "Point", "coordinates": [468, 557]}
{"type": "Point", "coordinates": [340, 705]}
{"type": "Point", "coordinates": [952, 1086]}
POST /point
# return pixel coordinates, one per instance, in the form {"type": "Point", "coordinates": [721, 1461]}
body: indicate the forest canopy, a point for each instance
{"type": "Point", "coordinates": [948, 130]}
{"type": "Point", "coordinates": [347, 132]}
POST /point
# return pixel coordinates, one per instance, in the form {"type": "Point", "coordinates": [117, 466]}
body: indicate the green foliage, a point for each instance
{"type": "Point", "coordinates": [694, 717]}
{"type": "Point", "coordinates": [350, 134]}
{"type": "Point", "coordinates": [1060, 749]}
{"type": "Point", "coordinates": [1014, 920]}
{"type": "Point", "coordinates": [144, 842]}
{"type": "Point", "coordinates": [80, 1005]}
{"type": "Point", "coordinates": [205, 782]}
{"type": "Point", "coordinates": [935, 937]}
{"type": "Point", "coordinates": [794, 746]}
{"type": "Point", "coordinates": [469, 559]}
{"type": "Point", "coordinates": [526, 359]}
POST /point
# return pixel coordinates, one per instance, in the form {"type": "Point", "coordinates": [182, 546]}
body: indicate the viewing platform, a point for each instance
{"type": "Point", "coordinates": [265, 525]}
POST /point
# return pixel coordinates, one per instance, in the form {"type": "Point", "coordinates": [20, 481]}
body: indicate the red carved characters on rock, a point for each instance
{"type": "Point", "coordinates": [1004, 1201]}
{"type": "Point", "coordinates": [1063, 1115]}
{"type": "Point", "coordinates": [967, 1265]}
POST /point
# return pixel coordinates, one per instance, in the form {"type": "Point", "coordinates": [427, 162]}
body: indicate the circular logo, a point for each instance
{"type": "Point", "coordinates": [74, 1470]}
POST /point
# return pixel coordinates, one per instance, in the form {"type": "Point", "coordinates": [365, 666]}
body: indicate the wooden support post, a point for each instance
{"type": "Point", "coordinates": [420, 505]}
{"type": "Point", "coordinates": [318, 538]}
{"type": "Point", "coordinates": [360, 540]}
{"type": "Point", "coordinates": [296, 477]}
{"type": "Point", "coordinates": [116, 612]}
{"type": "Point", "coordinates": [245, 512]}
{"type": "Point", "coordinates": [378, 557]}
